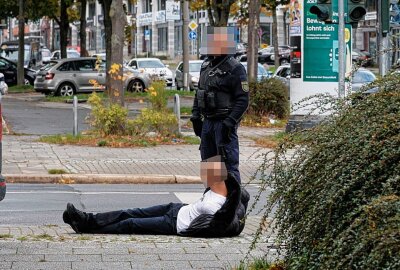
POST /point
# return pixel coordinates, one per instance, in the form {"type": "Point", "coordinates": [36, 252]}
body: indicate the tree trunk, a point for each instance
{"type": "Point", "coordinates": [118, 20]}
{"type": "Point", "coordinates": [252, 52]}
{"type": "Point", "coordinates": [64, 27]}
{"type": "Point", "coordinates": [82, 29]}
{"type": "Point", "coordinates": [275, 37]}
{"type": "Point", "coordinates": [21, 44]}
{"type": "Point", "coordinates": [221, 9]}
{"type": "Point", "coordinates": [106, 5]}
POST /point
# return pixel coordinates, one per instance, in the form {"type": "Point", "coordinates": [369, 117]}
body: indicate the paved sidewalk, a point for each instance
{"type": "Point", "coordinates": [58, 247]}
{"type": "Point", "coordinates": [24, 157]}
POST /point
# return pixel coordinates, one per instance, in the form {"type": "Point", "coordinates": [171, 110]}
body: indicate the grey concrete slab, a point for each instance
{"type": "Point", "coordinates": [41, 265]}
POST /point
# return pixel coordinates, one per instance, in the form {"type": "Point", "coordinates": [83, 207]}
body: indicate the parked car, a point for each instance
{"type": "Point", "coordinates": [361, 58]}
{"type": "Point", "coordinates": [267, 55]}
{"type": "Point", "coordinates": [194, 74]}
{"type": "Point", "coordinates": [152, 66]}
{"type": "Point", "coordinates": [67, 77]}
{"type": "Point", "coordinates": [240, 50]}
{"type": "Point", "coordinates": [283, 73]}
{"type": "Point", "coordinates": [9, 69]}
{"type": "Point", "coordinates": [46, 55]}
{"type": "Point", "coordinates": [71, 53]}
{"type": "Point", "coordinates": [361, 78]}
{"type": "Point", "coordinates": [3, 85]}
{"type": "Point", "coordinates": [261, 72]}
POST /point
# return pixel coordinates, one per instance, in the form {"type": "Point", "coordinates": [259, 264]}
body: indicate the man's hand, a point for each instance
{"type": "Point", "coordinates": [227, 127]}
{"type": "Point", "coordinates": [197, 126]}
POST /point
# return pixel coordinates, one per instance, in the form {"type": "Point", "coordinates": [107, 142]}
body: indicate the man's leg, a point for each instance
{"type": "Point", "coordinates": [165, 224]}
{"type": "Point", "coordinates": [231, 149]}
{"type": "Point", "coordinates": [208, 147]}
{"type": "Point", "coordinates": [107, 218]}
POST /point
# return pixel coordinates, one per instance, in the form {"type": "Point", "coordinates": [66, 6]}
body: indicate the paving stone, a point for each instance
{"type": "Point", "coordinates": [32, 250]}
{"type": "Point", "coordinates": [152, 265]}
{"type": "Point", "coordinates": [5, 265]}
{"type": "Point", "coordinates": [8, 251]}
{"type": "Point", "coordinates": [188, 257]}
{"type": "Point", "coordinates": [72, 258]}
{"type": "Point", "coordinates": [41, 265]}
{"type": "Point", "coordinates": [130, 257]}
{"type": "Point", "coordinates": [101, 265]}
{"type": "Point", "coordinates": [24, 258]}
{"type": "Point", "coordinates": [100, 251]}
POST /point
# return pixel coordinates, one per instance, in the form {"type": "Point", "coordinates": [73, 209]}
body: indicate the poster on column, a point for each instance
{"type": "Point", "coordinates": [314, 54]}
{"type": "Point", "coordinates": [321, 48]}
{"type": "Point", "coordinates": [295, 15]}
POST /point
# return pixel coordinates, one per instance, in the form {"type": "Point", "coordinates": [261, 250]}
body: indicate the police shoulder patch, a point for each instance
{"type": "Point", "coordinates": [245, 86]}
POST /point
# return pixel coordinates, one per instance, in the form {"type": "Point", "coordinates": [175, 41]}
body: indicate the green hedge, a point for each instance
{"type": "Point", "coordinates": [337, 198]}
{"type": "Point", "coordinates": [268, 97]}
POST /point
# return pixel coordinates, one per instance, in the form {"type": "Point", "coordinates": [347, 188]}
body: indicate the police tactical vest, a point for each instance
{"type": "Point", "coordinates": [214, 96]}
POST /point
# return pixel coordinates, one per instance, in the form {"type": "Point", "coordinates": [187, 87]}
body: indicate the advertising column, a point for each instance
{"type": "Point", "coordinates": [314, 61]}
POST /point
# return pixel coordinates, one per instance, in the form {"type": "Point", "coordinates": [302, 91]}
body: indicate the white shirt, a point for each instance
{"type": "Point", "coordinates": [210, 203]}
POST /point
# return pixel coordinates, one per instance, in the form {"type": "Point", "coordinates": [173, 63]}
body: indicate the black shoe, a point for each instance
{"type": "Point", "coordinates": [67, 219]}
{"type": "Point", "coordinates": [77, 219]}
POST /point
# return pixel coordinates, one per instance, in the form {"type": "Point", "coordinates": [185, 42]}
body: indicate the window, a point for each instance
{"type": "Point", "coordinates": [134, 64]}
{"type": "Point", "coordinates": [163, 39]}
{"type": "Point", "coordinates": [92, 9]}
{"type": "Point", "coordinates": [161, 5]}
{"type": "Point", "coordinates": [3, 64]}
{"type": "Point", "coordinates": [68, 66]}
{"type": "Point", "coordinates": [84, 65]}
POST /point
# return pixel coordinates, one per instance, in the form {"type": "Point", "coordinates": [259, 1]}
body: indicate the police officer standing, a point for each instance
{"type": "Point", "coordinates": [221, 99]}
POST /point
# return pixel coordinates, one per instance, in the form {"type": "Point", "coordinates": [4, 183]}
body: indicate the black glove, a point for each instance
{"type": "Point", "coordinates": [197, 126]}
{"type": "Point", "coordinates": [227, 128]}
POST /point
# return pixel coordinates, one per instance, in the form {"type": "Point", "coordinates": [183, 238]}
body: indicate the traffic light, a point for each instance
{"type": "Point", "coordinates": [355, 11]}
{"type": "Point", "coordinates": [323, 10]}
{"type": "Point", "coordinates": [385, 17]}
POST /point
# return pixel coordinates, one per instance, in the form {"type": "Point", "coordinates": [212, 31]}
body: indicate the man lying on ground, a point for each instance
{"type": "Point", "coordinates": [219, 213]}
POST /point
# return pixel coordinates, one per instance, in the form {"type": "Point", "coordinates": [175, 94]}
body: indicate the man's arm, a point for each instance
{"type": "Point", "coordinates": [240, 91]}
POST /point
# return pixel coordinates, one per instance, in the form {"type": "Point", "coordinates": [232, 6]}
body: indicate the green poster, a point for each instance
{"type": "Point", "coordinates": [321, 48]}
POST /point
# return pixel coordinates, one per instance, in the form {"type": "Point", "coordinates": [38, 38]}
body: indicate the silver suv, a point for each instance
{"type": "Point", "coordinates": [67, 77]}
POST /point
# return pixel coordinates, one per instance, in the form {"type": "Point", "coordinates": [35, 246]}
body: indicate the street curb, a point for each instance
{"type": "Point", "coordinates": [100, 179]}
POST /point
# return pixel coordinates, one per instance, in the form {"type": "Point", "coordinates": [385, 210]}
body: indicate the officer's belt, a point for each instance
{"type": "Point", "coordinates": [218, 114]}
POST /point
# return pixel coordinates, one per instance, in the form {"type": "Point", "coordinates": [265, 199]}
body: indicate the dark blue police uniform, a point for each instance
{"type": "Point", "coordinates": [220, 102]}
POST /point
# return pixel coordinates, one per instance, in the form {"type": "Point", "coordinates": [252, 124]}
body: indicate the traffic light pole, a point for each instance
{"type": "Point", "coordinates": [383, 43]}
{"type": "Point", "coordinates": [342, 49]}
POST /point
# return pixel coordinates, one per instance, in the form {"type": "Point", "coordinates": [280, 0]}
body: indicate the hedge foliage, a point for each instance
{"type": "Point", "coordinates": [269, 97]}
{"type": "Point", "coordinates": [336, 197]}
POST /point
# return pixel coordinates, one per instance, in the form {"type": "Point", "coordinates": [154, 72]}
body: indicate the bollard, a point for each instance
{"type": "Point", "coordinates": [177, 111]}
{"type": "Point", "coordinates": [75, 109]}
{"type": "Point", "coordinates": [2, 180]}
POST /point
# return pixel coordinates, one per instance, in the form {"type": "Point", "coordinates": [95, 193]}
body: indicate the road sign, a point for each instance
{"type": "Point", "coordinates": [146, 34]}
{"type": "Point", "coordinates": [192, 35]}
{"type": "Point", "coordinates": [193, 25]}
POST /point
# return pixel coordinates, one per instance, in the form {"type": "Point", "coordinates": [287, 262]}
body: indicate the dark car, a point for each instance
{"type": "Point", "coordinates": [267, 55]}
{"type": "Point", "coordinates": [361, 58]}
{"type": "Point", "coordinates": [9, 69]}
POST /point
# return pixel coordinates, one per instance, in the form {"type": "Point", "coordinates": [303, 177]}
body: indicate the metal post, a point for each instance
{"type": "Point", "coordinates": [342, 50]}
{"type": "Point", "coordinates": [75, 109]}
{"type": "Point", "coordinates": [185, 41]}
{"type": "Point", "coordinates": [383, 44]}
{"type": "Point", "coordinates": [2, 180]}
{"type": "Point", "coordinates": [177, 111]}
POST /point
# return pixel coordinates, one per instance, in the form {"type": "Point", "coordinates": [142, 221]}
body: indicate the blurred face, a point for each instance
{"type": "Point", "coordinates": [212, 172]}
{"type": "Point", "coordinates": [219, 41]}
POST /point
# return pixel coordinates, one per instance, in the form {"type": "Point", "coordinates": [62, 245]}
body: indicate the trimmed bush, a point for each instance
{"type": "Point", "coordinates": [268, 97]}
{"type": "Point", "coordinates": [337, 196]}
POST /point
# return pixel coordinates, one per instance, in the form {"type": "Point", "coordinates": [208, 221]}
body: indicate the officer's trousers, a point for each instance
{"type": "Point", "coordinates": [159, 219]}
{"type": "Point", "coordinates": [211, 140]}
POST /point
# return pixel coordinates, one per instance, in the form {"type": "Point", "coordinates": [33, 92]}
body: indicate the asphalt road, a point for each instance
{"type": "Point", "coordinates": [30, 115]}
{"type": "Point", "coordinates": [40, 204]}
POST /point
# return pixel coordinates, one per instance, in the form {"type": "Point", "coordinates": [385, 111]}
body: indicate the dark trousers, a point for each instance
{"type": "Point", "coordinates": [159, 219]}
{"type": "Point", "coordinates": [211, 140]}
